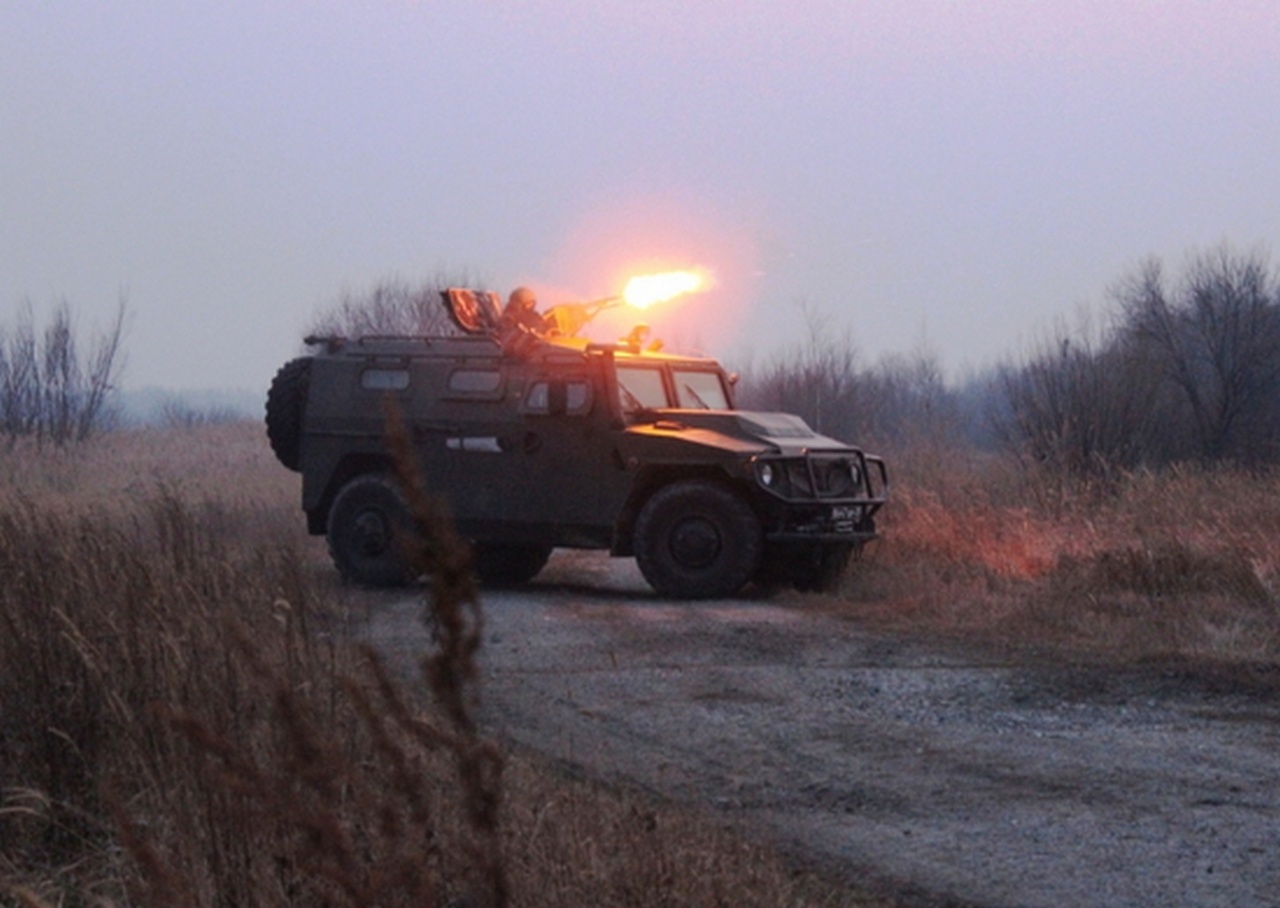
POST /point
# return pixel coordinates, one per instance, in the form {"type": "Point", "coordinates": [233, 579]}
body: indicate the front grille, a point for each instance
{"type": "Point", "coordinates": [824, 477]}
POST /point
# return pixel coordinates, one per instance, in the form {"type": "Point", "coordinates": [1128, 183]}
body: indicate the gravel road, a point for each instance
{"type": "Point", "coordinates": [950, 776]}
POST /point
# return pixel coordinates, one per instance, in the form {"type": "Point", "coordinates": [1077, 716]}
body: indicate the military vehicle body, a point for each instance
{"type": "Point", "coordinates": [538, 442]}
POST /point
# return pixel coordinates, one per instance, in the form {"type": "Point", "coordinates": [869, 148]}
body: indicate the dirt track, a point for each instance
{"type": "Point", "coordinates": [948, 775]}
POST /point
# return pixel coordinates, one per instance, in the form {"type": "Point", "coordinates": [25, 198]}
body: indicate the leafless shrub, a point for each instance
{"type": "Point", "coordinates": [176, 413]}
{"type": "Point", "coordinates": [1172, 569]}
{"type": "Point", "coordinates": [911, 403]}
{"type": "Point", "coordinates": [817, 379]}
{"type": "Point", "coordinates": [1172, 562]}
{"type": "Point", "coordinates": [901, 400]}
{"type": "Point", "coordinates": [1080, 407]}
{"type": "Point", "coordinates": [48, 390]}
{"type": "Point", "coordinates": [392, 307]}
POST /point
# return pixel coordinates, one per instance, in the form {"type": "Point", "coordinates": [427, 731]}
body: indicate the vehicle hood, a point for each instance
{"type": "Point", "coordinates": [740, 430]}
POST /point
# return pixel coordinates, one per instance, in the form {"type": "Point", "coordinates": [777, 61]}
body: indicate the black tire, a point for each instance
{"type": "Point", "coordinates": [697, 540]}
{"type": "Point", "coordinates": [809, 568]}
{"type": "Point", "coordinates": [285, 400]}
{"type": "Point", "coordinates": [369, 527]}
{"type": "Point", "coordinates": [774, 571]}
{"type": "Point", "coordinates": [822, 568]}
{"type": "Point", "coordinates": [498, 564]}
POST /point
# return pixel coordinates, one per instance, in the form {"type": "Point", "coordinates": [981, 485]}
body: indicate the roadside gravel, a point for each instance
{"type": "Point", "coordinates": [943, 775]}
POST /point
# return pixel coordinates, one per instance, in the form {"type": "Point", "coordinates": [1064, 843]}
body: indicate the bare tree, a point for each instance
{"type": "Point", "coordinates": [906, 400]}
{"type": "Point", "coordinates": [47, 390]}
{"type": "Point", "coordinates": [900, 400]}
{"type": "Point", "coordinates": [817, 378]}
{"type": "Point", "coordinates": [61, 382]}
{"type": "Point", "coordinates": [1215, 336]}
{"type": "Point", "coordinates": [1079, 405]}
{"type": "Point", "coordinates": [104, 363]}
{"type": "Point", "coordinates": [1189, 370]}
{"type": "Point", "coordinates": [19, 377]}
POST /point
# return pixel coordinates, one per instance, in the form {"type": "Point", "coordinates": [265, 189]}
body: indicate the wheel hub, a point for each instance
{"type": "Point", "coordinates": [372, 533]}
{"type": "Point", "coordinates": [695, 542]}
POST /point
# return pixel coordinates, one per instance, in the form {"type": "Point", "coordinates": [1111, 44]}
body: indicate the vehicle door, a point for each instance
{"type": "Point", "coordinates": [565, 448]}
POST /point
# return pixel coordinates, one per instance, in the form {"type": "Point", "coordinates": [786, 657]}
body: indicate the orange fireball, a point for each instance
{"type": "Point", "coordinates": [645, 290]}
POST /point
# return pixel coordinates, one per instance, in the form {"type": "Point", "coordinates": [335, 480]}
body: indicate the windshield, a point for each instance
{"type": "Point", "coordinates": [698, 389]}
{"type": "Point", "coordinates": [645, 388]}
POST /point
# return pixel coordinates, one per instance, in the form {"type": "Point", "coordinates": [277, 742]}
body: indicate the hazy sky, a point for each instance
{"type": "Point", "coordinates": [952, 175]}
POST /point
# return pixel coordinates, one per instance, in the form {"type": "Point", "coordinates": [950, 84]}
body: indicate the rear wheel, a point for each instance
{"type": "Point", "coordinates": [369, 527]}
{"type": "Point", "coordinates": [501, 564]}
{"type": "Point", "coordinates": [697, 540]}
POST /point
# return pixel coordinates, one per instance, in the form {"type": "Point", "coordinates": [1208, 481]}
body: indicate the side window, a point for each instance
{"type": "Point", "coordinates": [578, 397]}
{"type": "Point", "coordinates": [476, 382]}
{"type": "Point", "coordinates": [384, 379]}
{"type": "Point", "coordinates": [540, 398]}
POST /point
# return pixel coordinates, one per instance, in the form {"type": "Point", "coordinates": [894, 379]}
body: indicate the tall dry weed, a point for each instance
{"type": "Point", "coordinates": [111, 616]}
{"type": "Point", "coordinates": [183, 720]}
{"type": "Point", "coordinates": [1182, 562]}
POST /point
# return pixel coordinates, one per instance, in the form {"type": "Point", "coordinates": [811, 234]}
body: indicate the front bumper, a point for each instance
{"type": "Point", "coordinates": [821, 496]}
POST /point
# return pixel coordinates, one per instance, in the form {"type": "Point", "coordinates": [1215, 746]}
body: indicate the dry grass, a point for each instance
{"type": "Point", "coordinates": [183, 723]}
{"type": "Point", "coordinates": [1184, 563]}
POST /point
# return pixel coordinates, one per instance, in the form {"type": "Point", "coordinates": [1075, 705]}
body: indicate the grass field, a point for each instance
{"type": "Point", "coordinates": [1183, 564]}
{"type": "Point", "coordinates": [183, 720]}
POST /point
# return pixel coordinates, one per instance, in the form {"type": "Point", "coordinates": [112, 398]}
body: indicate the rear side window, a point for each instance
{"type": "Point", "coordinates": [384, 379]}
{"type": "Point", "coordinates": [472, 382]}
{"type": "Point", "coordinates": [577, 397]}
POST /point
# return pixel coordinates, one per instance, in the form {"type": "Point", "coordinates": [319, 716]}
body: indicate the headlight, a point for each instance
{"type": "Point", "coordinates": [767, 476]}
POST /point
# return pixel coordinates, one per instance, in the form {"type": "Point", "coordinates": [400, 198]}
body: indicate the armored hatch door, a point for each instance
{"type": "Point", "coordinates": [473, 311]}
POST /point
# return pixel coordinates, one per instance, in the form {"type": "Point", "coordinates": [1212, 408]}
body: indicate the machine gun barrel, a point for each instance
{"type": "Point", "coordinates": [568, 319]}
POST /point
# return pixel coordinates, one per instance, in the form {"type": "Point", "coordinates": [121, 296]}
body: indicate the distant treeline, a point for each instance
{"type": "Point", "coordinates": [1186, 370]}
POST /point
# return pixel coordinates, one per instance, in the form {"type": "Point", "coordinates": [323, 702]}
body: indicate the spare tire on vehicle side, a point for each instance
{"type": "Point", "coordinates": [285, 401]}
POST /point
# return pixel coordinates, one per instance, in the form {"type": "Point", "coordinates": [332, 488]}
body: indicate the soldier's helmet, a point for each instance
{"type": "Point", "coordinates": [522, 298]}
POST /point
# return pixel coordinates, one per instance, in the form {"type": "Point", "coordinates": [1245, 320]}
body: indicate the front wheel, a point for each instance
{"type": "Point", "coordinates": [824, 568]}
{"type": "Point", "coordinates": [808, 567]}
{"type": "Point", "coordinates": [697, 540]}
{"type": "Point", "coordinates": [369, 525]}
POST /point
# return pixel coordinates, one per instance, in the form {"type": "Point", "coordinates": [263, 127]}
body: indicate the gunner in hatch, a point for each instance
{"type": "Point", "coordinates": [522, 311]}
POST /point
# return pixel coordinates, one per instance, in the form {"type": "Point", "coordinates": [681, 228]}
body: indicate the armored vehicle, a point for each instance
{"type": "Point", "coordinates": [538, 440]}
